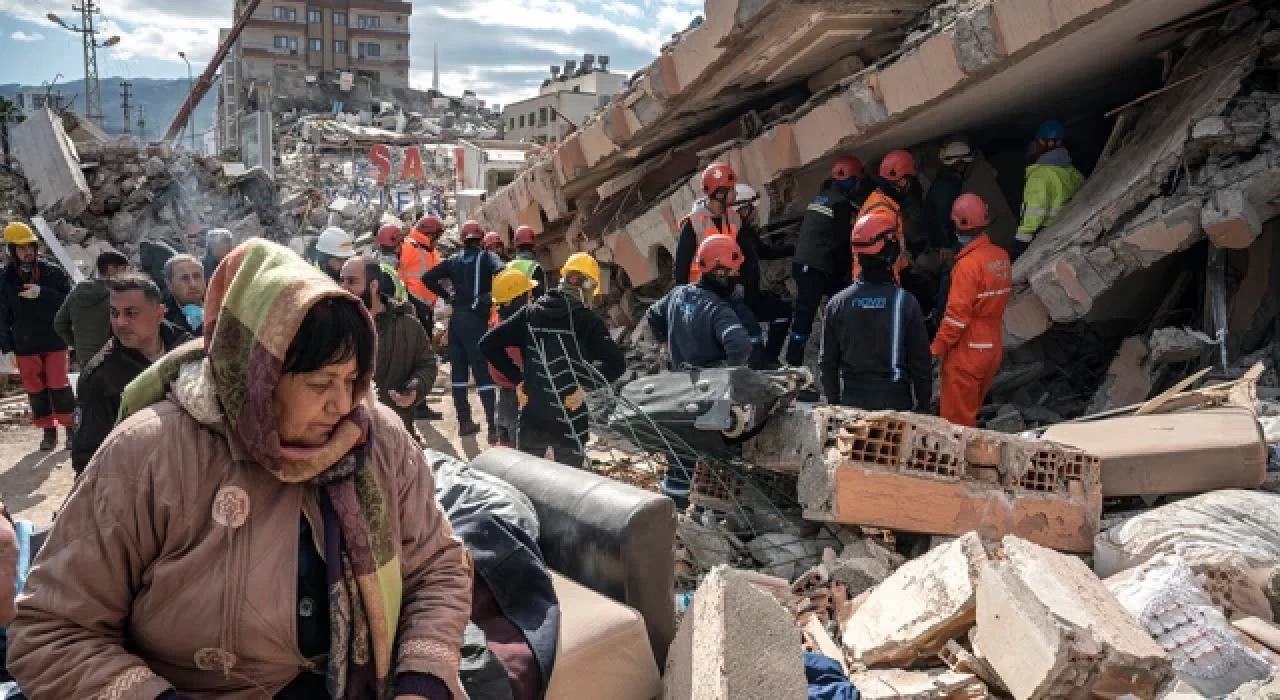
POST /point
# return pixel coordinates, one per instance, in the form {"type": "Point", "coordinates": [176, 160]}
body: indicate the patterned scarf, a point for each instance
{"type": "Point", "coordinates": [255, 304]}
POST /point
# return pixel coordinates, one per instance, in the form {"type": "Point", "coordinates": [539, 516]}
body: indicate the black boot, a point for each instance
{"type": "Point", "coordinates": [50, 440]}
{"type": "Point", "coordinates": [468, 428]}
{"type": "Point", "coordinates": [426, 412]}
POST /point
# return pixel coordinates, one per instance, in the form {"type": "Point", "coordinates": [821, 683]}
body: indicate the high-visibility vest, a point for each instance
{"type": "Point", "coordinates": [399, 293]}
{"type": "Point", "coordinates": [416, 260]}
{"type": "Point", "coordinates": [526, 266]}
{"type": "Point", "coordinates": [875, 201]}
{"type": "Point", "coordinates": [1047, 190]}
{"type": "Point", "coordinates": [704, 225]}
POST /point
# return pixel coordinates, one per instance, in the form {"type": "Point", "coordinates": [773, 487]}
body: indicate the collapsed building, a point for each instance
{"type": "Point", "coordinates": [1162, 258]}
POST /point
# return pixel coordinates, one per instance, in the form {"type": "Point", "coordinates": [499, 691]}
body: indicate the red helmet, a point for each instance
{"type": "Point", "coordinates": [896, 165]}
{"type": "Point", "coordinates": [716, 177]}
{"type": "Point", "coordinates": [471, 231]}
{"type": "Point", "coordinates": [390, 236]}
{"type": "Point", "coordinates": [491, 239]}
{"type": "Point", "coordinates": [719, 251]}
{"type": "Point", "coordinates": [430, 225]}
{"type": "Point", "coordinates": [969, 212]}
{"type": "Point", "coordinates": [846, 167]}
{"type": "Point", "coordinates": [872, 231]}
{"type": "Point", "coordinates": [524, 236]}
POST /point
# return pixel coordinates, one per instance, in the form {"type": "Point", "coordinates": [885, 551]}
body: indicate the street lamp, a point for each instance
{"type": "Point", "coordinates": [89, 37]}
{"type": "Point", "coordinates": [191, 116]}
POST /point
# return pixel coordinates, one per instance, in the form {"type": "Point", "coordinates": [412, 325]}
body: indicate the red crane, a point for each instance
{"type": "Point", "coordinates": [201, 86]}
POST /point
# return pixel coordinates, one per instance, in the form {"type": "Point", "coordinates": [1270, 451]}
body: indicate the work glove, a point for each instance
{"type": "Point", "coordinates": [523, 397]}
{"type": "Point", "coordinates": [31, 291]}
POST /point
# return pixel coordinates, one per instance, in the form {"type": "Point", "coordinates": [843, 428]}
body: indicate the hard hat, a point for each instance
{"type": "Point", "coordinates": [847, 167]}
{"type": "Point", "coordinates": [746, 194]}
{"type": "Point", "coordinates": [1051, 130]}
{"type": "Point", "coordinates": [390, 236]}
{"type": "Point", "coordinates": [471, 231]}
{"type": "Point", "coordinates": [18, 233]}
{"type": "Point", "coordinates": [872, 231]}
{"type": "Point", "coordinates": [492, 238]}
{"type": "Point", "coordinates": [218, 234]}
{"type": "Point", "coordinates": [716, 177]}
{"type": "Point", "coordinates": [955, 152]}
{"type": "Point", "coordinates": [582, 264]}
{"type": "Point", "coordinates": [430, 225]}
{"type": "Point", "coordinates": [509, 284]}
{"type": "Point", "coordinates": [524, 236]}
{"type": "Point", "coordinates": [336, 242]}
{"type": "Point", "coordinates": [969, 212]}
{"type": "Point", "coordinates": [718, 251]}
{"type": "Point", "coordinates": [896, 165]}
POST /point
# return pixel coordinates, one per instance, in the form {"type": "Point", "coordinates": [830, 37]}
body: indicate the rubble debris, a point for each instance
{"type": "Point", "coordinates": [735, 643]}
{"type": "Point", "coordinates": [50, 165]}
{"type": "Point", "coordinates": [1165, 599]}
{"type": "Point", "coordinates": [1127, 381]}
{"type": "Point", "coordinates": [918, 473]}
{"type": "Point", "coordinates": [787, 556]}
{"type": "Point", "coordinates": [1049, 628]}
{"type": "Point", "coordinates": [934, 684]}
{"type": "Point", "coordinates": [961, 660]}
{"type": "Point", "coordinates": [917, 610]}
{"type": "Point", "coordinates": [1259, 690]}
{"type": "Point", "coordinates": [862, 565]}
{"type": "Point", "coordinates": [1260, 631]}
{"type": "Point", "coordinates": [1168, 453]}
{"type": "Point", "coordinates": [1169, 345]}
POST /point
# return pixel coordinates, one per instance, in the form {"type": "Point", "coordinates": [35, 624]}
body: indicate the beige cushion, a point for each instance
{"type": "Point", "coordinates": [603, 650]}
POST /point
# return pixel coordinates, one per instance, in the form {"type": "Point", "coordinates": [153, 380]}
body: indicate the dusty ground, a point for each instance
{"type": "Point", "coordinates": [34, 484]}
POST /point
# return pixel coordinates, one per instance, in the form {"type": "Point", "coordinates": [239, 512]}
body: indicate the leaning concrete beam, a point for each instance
{"type": "Point", "coordinates": [50, 164]}
{"type": "Point", "coordinates": [1050, 629]}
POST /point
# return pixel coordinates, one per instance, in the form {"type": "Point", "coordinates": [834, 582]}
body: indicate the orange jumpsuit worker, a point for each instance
{"type": "Point", "coordinates": [968, 342]}
{"type": "Point", "coordinates": [897, 173]}
{"type": "Point", "coordinates": [418, 255]}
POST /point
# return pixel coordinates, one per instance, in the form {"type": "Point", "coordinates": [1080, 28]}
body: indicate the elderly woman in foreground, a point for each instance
{"type": "Point", "coordinates": [257, 527]}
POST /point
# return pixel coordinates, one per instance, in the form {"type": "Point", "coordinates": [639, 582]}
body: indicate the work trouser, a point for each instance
{"type": "Point", "coordinates": [967, 373]}
{"type": "Point", "coordinates": [536, 437]}
{"type": "Point", "coordinates": [44, 378]}
{"type": "Point", "coordinates": [878, 396]}
{"type": "Point", "coordinates": [776, 312]}
{"type": "Point", "coordinates": [465, 361]}
{"type": "Point", "coordinates": [811, 285]}
{"type": "Point", "coordinates": [507, 417]}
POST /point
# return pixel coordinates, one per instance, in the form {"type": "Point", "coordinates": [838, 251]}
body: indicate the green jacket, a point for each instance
{"type": "Point", "coordinates": [1051, 182]}
{"type": "Point", "coordinates": [84, 319]}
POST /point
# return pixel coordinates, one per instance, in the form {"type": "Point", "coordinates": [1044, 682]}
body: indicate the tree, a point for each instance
{"type": "Point", "coordinates": [9, 114]}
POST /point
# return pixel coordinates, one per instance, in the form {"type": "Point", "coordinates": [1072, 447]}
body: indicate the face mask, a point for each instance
{"type": "Point", "coordinates": [194, 315]}
{"type": "Point", "coordinates": [965, 240]}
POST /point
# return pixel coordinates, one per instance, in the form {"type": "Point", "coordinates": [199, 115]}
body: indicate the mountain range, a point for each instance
{"type": "Point", "coordinates": [159, 99]}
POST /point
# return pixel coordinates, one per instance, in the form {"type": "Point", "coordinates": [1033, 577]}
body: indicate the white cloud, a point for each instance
{"type": "Point", "coordinates": [23, 36]}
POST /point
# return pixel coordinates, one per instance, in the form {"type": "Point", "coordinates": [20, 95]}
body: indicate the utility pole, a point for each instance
{"type": "Point", "coordinates": [124, 102]}
{"type": "Point", "coordinates": [89, 35]}
{"type": "Point", "coordinates": [142, 123]}
{"type": "Point", "coordinates": [191, 116]}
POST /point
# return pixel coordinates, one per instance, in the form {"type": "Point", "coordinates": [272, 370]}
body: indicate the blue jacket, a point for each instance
{"type": "Point", "coordinates": [701, 328]}
{"type": "Point", "coordinates": [471, 273]}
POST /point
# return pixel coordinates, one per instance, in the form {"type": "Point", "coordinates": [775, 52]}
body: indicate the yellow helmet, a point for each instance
{"type": "Point", "coordinates": [582, 264]}
{"type": "Point", "coordinates": [509, 284]}
{"type": "Point", "coordinates": [18, 233]}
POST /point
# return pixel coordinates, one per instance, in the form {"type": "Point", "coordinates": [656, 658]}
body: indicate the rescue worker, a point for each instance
{"type": "Point", "coordinates": [512, 291]}
{"type": "Point", "coordinates": [763, 305]}
{"type": "Point", "coordinates": [493, 243]}
{"type": "Point", "coordinates": [567, 351]}
{"type": "Point", "coordinates": [333, 247]}
{"type": "Point", "coordinates": [418, 256]}
{"type": "Point", "coordinates": [898, 191]}
{"type": "Point", "coordinates": [875, 348]}
{"type": "Point", "coordinates": [31, 292]}
{"type": "Point", "coordinates": [969, 343]}
{"type": "Point", "coordinates": [965, 170]}
{"type": "Point", "coordinates": [471, 271]}
{"type": "Point", "coordinates": [700, 328]}
{"type": "Point", "coordinates": [713, 214]}
{"type": "Point", "coordinates": [822, 261]}
{"type": "Point", "coordinates": [389, 239]}
{"type": "Point", "coordinates": [526, 261]}
{"type": "Point", "coordinates": [1051, 182]}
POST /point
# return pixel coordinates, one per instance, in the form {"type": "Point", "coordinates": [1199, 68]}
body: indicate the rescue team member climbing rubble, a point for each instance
{"type": "Point", "coordinates": [1051, 182]}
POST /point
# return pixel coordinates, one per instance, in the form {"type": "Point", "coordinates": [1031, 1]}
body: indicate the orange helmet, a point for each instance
{"type": "Point", "coordinates": [491, 239]}
{"type": "Point", "coordinates": [430, 225]}
{"type": "Point", "coordinates": [390, 236]}
{"type": "Point", "coordinates": [524, 236]}
{"type": "Point", "coordinates": [896, 165]}
{"type": "Point", "coordinates": [847, 167]}
{"type": "Point", "coordinates": [969, 213]}
{"type": "Point", "coordinates": [471, 231]}
{"type": "Point", "coordinates": [716, 177]}
{"type": "Point", "coordinates": [719, 251]}
{"type": "Point", "coordinates": [872, 231]}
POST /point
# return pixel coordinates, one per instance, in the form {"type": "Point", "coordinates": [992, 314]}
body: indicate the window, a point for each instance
{"type": "Point", "coordinates": [340, 47]}
{"type": "Point", "coordinates": [369, 50]}
{"type": "Point", "coordinates": [553, 138]}
{"type": "Point", "coordinates": [286, 14]}
{"type": "Point", "coordinates": [513, 122]}
{"type": "Point", "coordinates": [316, 45]}
{"type": "Point", "coordinates": [286, 42]}
{"type": "Point", "coordinates": [340, 19]}
{"type": "Point", "coordinates": [521, 121]}
{"type": "Point", "coordinates": [542, 116]}
{"type": "Point", "coordinates": [369, 21]}
{"type": "Point", "coordinates": [313, 17]}
{"type": "Point", "coordinates": [530, 118]}
{"type": "Point", "coordinates": [399, 47]}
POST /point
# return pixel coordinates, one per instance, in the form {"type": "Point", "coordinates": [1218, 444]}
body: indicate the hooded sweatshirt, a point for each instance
{"type": "Point", "coordinates": [84, 320]}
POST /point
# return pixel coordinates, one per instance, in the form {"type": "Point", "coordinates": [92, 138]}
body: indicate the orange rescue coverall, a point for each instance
{"type": "Point", "coordinates": [417, 257]}
{"type": "Point", "coordinates": [969, 338]}
{"type": "Point", "coordinates": [880, 200]}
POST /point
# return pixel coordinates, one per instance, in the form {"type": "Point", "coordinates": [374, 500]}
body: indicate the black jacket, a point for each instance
{"type": "Point", "coordinates": [553, 323]}
{"type": "Point", "coordinates": [825, 231]}
{"type": "Point", "coordinates": [102, 381]}
{"type": "Point", "coordinates": [26, 325]}
{"type": "Point", "coordinates": [173, 314]}
{"type": "Point", "coordinates": [687, 243]}
{"type": "Point", "coordinates": [874, 335]}
{"type": "Point", "coordinates": [153, 255]}
{"type": "Point", "coordinates": [471, 272]}
{"type": "Point", "coordinates": [701, 328]}
{"type": "Point", "coordinates": [405, 355]}
{"type": "Point", "coordinates": [937, 208]}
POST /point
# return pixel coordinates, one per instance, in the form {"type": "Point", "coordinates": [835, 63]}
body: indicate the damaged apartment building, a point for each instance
{"type": "Point", "coordinates": [1161, 263]}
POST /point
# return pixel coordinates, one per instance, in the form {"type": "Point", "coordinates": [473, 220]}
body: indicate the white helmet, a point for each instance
{"type": "Point", "coordinates": [335, 242]}
{"type": "Point", "coordinates": [746, 196]}
{"type": "Point", "coordinates": [956, 151]}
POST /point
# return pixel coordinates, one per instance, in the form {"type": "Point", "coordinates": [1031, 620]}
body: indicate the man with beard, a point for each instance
{"type": "Point", "coordinates": [31, 292]}
{"type": "Point", "coordinates": [405, 368]}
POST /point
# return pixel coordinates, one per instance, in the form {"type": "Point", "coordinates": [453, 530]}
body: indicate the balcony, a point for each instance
{"type": "Point", "coordinates": [383, 60]}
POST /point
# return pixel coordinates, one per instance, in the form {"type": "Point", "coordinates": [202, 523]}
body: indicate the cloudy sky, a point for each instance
{"type": "Point", "coordinates": [500, 48]}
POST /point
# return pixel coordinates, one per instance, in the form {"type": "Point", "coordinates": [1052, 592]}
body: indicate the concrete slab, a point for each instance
{"type": "Point", "coordinates": [934, 684]}
{"type": "Point", "coordinates": [50, 165]}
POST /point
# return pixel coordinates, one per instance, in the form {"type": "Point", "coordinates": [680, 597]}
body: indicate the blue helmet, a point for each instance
{"type": "Point", "coordinates": [1051, 130]}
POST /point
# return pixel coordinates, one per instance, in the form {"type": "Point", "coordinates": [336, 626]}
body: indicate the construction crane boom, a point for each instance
{"type": "Point", "coordinates": [202, 85]}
